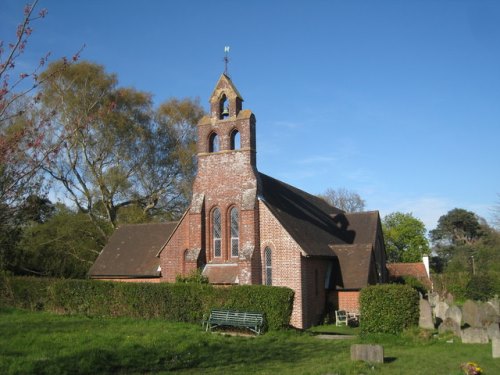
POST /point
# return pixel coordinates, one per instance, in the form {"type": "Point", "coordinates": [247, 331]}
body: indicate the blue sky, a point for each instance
{"type": "Point", "coordinates": [396, 100]}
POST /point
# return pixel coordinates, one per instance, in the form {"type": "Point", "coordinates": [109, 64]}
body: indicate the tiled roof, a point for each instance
{"type": "Point", "coordinates": [417, 270]}
{"type": "Point", "coordinates": [313, 223]}
{"type": "Point", "coordinates": [325, 231]}
{"type": "Point", "coordinates": [131, 251]}
{"type": "Point", "coordinates": [356, 265]}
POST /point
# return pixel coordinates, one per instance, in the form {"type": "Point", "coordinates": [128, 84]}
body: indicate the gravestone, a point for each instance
{"type": "Point", "coordinates": [474, 336]}
{"type": "Point", "coordinates": [471, 314]}
{"type": "Point", "coordinates": [449, 299]}
{"type": "Point", "coordinates": [493, 331]}
{"type": "Point", "coordinates": [367, 353]}
{"type": "Point", "coordinates": [495, 303]}
{"type": "Point", "coordinates": [455, 314]}
{"type": "Point", "coordinates": [488, 314]}
{"type": "Point", "coordinates": [449, 325]}
{"type": "Point", "coordinates": [433, 298]}
{"type": "Point", "coordinates": [425, 319]}
{"type": "Point", "coordinates": [440, 310]}
{"type": "Point", "coordinates": [495, 348]}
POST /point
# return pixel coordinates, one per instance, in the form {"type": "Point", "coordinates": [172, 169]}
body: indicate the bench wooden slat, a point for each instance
{"type": "Point", "coordinates": [232, 318]}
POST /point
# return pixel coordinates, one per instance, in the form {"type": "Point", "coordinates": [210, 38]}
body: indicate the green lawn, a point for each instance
{"type": "Point", "coordinates": [44, 343]}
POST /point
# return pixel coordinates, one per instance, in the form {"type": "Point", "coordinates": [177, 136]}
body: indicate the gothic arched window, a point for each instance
{"type": "Point", "coordinates": [213, 143]}
{"type": "Point", "coordinates": [268, 266]}
{"type": "Point", "coordinates": [235, 140]}
{"type": "Point", "coordinates": [235, 232]}
{"type": "Point", "coordinates": [217, 233]}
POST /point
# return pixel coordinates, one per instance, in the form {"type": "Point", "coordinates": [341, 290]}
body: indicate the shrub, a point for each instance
{"type": "Point", "coordinates": [480, 287]}
{"type": "Point", "coordinates": [180, 302]}
{"type": "Point", "coordinates": [388, 308]}
{"type": "Point", "coordinates": [413, 282]}
{"type": "Point", "coordinates": [452, 282]}
{"type": "Point", "coordinates": [194, 276]}
{"type": "Point", "coordinates": [276, 302]}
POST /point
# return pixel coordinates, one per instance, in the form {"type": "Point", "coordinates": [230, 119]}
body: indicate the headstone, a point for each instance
{"type": "Point", "coordinates": [449, 299]}
{"type": "Point", "coordinates": [440, 310]}
{"type": "Point", "coordinates": [433, 298]}
{"type": "Point", "coordinates": [455, 314]}
{"type": "Point", "coordinates": [474, 336]}
{"type": "Point", "coordinates": [495, 303]}
{"type": "Point", "coordinates": [449, 325]}
{"type": "Point", "coordinates": [367, 353]}
{"type": "Point", "coordinates": [493, 331]}
{"type": "Point", "coordinates": [488, 314]}
{"type": "Point", "coordinates": [471, 314]}
{"type": "Point", "coordinates": [425, 319]}
{"type": "Point", "coordinates": [495, 348]}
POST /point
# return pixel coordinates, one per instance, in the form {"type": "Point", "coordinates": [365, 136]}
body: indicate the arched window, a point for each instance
{"type": "Point", "coordinates": [213, 143]}
{"type": "Point", "coordinates": [216, 233]}
{"type": "Point", "coordinates": [223, 107]}
{"type": "Point", "coordinates": [268, 266]}
{"type": "Point", "coordinates": [235, 140]}
{"type": "Point", "coordinates": [235, 232]}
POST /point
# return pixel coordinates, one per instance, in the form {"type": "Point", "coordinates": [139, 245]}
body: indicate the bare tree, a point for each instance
{"type": "Point", "coordinates": [344, 199]}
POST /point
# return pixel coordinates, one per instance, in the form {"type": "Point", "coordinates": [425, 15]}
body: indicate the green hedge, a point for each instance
{"type": "Point", "coordinates": [388, 308]}
{"type": "Point", "coordinates": [180, 302]}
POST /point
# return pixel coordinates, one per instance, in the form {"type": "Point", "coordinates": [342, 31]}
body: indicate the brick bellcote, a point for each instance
{"type": "Point", "coordinates": [226, 179]}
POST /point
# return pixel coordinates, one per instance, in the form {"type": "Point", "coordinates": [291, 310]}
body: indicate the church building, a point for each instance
{"type": "Point", "coordinates": [244, 227]}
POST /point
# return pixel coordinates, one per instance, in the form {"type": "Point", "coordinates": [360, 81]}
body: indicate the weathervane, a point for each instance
{"type": "Point", "coordinates": [226, 58]}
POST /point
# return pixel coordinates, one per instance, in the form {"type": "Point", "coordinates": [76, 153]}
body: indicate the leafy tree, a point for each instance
{"type": "Point", "coordinates": [457, 227]}
{"type": "Point", "coordinates": [33, 210]}
{"type": "Point", "coordinates": [115, 151]}
{"type": "Point", "coordinates": [344, 199]}
{"type": "Point", "coordinates": [404, 237]}
{"type": "Point", "coordinates": [22, 129]}
{"type": "Point", "coordinates": [470, 251]}
{"type": "Point", "coordinates": [64, 245]}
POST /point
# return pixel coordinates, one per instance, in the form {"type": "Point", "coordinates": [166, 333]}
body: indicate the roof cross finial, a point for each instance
{"type": "Point", "coordinates": [226, 58]}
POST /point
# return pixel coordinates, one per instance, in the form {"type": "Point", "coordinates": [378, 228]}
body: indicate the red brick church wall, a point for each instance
{"type": "Point", "coordinates": [286, 260]}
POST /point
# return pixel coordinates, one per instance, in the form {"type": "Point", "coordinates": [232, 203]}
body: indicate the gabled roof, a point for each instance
{"type": "Point", "coordinates": [131, 251]}
{"type": "Point", "coordinates": [313, 223]}
{"type": "Point", "coordinates": [223, 84]}
{"type": "Point", "coordinates": [356, 265]}
{"type": "Point", "coordinates": [416, 270]}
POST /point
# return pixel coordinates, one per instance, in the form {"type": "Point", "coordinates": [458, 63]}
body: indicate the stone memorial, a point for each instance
{"type": "Point", "coordinates": [455, 314]}
{"type": "Point", "coordinates": [495, 348]}
{"type": "Point", "coordinates": [493, 331]}
{"type": "Point", "coordinates": [425, 320]}
{"type": "Point", "coordinates": [474, 336]}
{"type": "Point", "coordinates": [440, 310]}
{"type": "Point", "coordinates": [471, 314]}
{"type": "Point", "coordinates": [449, 325]}
{"type": "Point", "coordinates": [367, 353]}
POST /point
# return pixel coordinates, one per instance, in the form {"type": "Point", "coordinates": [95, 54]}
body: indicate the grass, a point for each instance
{"type": "Point", "coordinates": [44, 343]}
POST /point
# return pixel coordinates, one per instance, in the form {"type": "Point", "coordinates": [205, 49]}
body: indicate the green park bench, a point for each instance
{"type": "Point", "coordinates": [253, 321]}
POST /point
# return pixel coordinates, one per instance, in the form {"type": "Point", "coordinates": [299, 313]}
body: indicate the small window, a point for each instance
{"type": "Point", "coordinates": [268, 266]}
{"type": "Point", "coordinates": [216, 233]}
{"type": "Point", "coordinates": [213, 143]}
{"type": "Point", "coordinates": [235, 140]}
{"type": "Point", "coordinates": [235, 232]}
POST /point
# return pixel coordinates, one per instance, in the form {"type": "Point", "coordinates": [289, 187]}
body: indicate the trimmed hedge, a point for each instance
{"type": "Point", "coordinates": [179, 302]}
{"type": "Point", "coordinates": [388, 308]}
